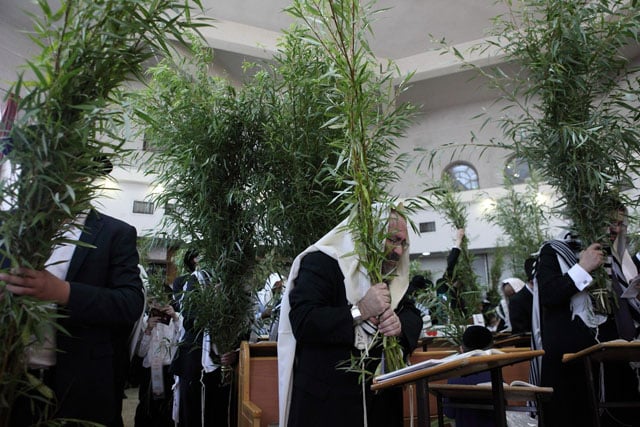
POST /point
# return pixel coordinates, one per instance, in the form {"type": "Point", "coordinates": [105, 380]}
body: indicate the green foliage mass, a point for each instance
{"type": "Point", "coordinates": [246, 170]}
{"type": "Point", "coordinates": [296, 184]}
{"type": "Point", "coordinates": [65, 126]}
{"type": "Point", "coordinates": [523, 220]}
{"type": "Point", "coordinates": [205, 134]}
{"type": "Point", "coordinates": [572, 109]}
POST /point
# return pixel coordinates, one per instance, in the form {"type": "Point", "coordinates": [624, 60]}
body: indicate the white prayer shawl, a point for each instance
{"type": "Point", "coordinates": [581, 303]}
{"type": "Point", "coordinates": [535, 372]}
{"type": "Point", "coordinates": [624, 267]}
{"type": "Point", "coordinates": [339, 245]}
{"type": "Point", "coordinates": [139, 326]}
{"type": "Point", "coordinates": [515, 283]}
{"type": "Point", "coordinates": [161, 345]}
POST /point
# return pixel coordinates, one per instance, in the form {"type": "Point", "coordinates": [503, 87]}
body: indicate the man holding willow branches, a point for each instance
{"type": "Point", "coordinates": [331, 312]}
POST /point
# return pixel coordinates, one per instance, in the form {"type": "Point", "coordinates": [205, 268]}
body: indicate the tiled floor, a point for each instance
{"type": "Point", "coordinates": [520, 419]}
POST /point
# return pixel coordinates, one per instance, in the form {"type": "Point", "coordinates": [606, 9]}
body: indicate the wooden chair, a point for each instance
{"type": "Point", "coordinates": [258, 384]}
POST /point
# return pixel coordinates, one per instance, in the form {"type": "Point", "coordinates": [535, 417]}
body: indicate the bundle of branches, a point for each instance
{"type": "Point", "coordinates": [463, 289]}
{"type": "Point", "coordinates": [365, 108]}
{"type": "Point", "coordinates": [89, 49]}
{"type": "Point", "coordinates": [572, 115]}
{"type": "Point", "coordinates": [495, 274]}
{"type": "Point", "coordinates": [206, 135]}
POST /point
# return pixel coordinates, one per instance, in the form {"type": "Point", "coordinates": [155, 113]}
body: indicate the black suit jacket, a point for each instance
{"type": "Point", "coordinates": [520, 308]}
{"type": "Point", "coordinates": [324, 394]}
{"type": "Point", "coordinates": [105, 300]}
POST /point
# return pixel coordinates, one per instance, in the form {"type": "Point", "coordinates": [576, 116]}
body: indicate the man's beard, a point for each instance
{"type": "Point", "coordinates": [390, 263]}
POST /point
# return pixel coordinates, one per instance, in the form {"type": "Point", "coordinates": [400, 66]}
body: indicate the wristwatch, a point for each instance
{"type": "Point", "coordinates": [357, 316]}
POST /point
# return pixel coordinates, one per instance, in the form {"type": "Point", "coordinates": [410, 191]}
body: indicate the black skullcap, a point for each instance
{"type": "Point", "coordinates": [476, 337]}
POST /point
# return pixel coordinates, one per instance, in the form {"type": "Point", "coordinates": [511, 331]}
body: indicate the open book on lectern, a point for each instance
{"type": "Point", "coordinates": [435, 362]}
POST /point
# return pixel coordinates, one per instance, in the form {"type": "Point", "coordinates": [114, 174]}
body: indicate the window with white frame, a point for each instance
{"type": "Point", "coordinates": [464, 176]}
{"type": "Point", "coordinates": [142, 207]}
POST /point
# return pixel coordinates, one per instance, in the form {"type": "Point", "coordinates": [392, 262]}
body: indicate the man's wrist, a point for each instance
{"type": "Point", "coordinates": [62, 293]}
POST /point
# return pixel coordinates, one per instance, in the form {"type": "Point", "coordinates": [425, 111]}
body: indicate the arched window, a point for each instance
{"type": "Point", "coordinates": [464, 176]}
{"type": "Point", "coordinates": [516, 170]}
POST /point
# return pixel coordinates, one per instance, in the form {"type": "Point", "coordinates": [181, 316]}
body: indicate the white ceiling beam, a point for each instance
{"type": "Point", "coordinates": [441, 62]}
{"type": "Point", "coordinates": [260, 43]}
{"type": "Point", "coordinates": [242, 39]}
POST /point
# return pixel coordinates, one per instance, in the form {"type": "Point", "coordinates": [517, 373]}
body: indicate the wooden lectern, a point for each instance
{"type": "Point", "coordinates": [458, 366]}
{"type": "Point", "coordinates": [618, 350]}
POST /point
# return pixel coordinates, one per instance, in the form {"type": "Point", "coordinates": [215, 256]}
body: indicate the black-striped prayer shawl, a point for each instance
{"type": "Point", "coordinates": [569, 258]}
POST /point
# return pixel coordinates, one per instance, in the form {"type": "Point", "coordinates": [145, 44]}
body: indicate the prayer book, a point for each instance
{"type": "Point", "coordinates": [435, 362]}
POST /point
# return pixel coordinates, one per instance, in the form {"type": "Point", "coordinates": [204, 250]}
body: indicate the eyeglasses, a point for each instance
{"type": "Point", "coordinates": [396, 241]}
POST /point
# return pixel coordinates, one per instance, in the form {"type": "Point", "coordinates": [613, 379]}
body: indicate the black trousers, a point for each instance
{"type": "Point", "coordinates": [34, 407]}
{"type": "Point", "coordinates": [154, 411]}
{"type": "Point", "coordinates": [220, 409]}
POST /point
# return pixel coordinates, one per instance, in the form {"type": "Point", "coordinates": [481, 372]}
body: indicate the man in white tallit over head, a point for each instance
{"type": "Point", "coordinates": [508, 288]}
{"type": "Point", "coordinates": [330, 310]}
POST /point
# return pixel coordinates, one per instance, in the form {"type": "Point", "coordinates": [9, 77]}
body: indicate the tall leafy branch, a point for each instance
{"type": "Point", "coordinates": [464, 296]}
{"type": "Point", "coordinates": [365, 110]}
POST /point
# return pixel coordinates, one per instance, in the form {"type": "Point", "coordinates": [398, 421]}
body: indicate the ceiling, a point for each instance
{"type": "Point", "coordinates": [405, 28]}
{"type": "Point", "coordinates": [405, 31]}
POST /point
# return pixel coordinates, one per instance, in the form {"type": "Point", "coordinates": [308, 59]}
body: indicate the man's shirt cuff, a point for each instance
{"type": "Point", "coordinates": [580, 277]}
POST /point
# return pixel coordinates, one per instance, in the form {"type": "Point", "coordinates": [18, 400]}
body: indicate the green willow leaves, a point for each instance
{"type": "Point", "coordinates": [572, 109]}
{"type": "Point", "coordinates": [64, 132]}
{"type": "Point", "coordinates": [365, 110]}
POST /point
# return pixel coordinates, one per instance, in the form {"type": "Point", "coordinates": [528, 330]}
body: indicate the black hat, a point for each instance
{"type": "Point", "coordinates": [420, 282]}
{"type": "Point", "coordinates": [189, 260]}
{"type": "Point", "coordinates": [476, 337]}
